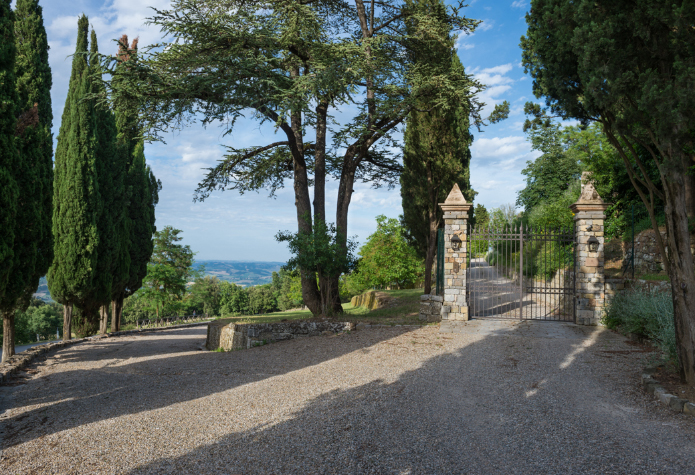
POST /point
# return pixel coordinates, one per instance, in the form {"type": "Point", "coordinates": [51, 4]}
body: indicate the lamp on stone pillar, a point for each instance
{"type": "Point", "coordinates": [455, 305]}
{"type": "Point", "coordinates": [590, 280]}
{"type": "Point", "coordinates": [593, 244]}
{"type": "Point", "coordinates": [456, 242]}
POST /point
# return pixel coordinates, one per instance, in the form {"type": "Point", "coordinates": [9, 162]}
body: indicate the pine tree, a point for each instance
{"type": "Point", "coordinates": [76, 192]}
{"type": "Point", "coordinates": [33, 243]}
{"type": "Point", "coordinates": [9, 160]}
{"type": "Point", "coordinates": [436, 156]}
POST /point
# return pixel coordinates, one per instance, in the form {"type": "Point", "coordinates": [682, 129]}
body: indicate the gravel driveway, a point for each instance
{"type": "Point", "coordinates": [498, 397]}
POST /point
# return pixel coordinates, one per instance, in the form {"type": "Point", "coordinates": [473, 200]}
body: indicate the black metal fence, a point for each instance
{"type": "Point", "coordinates": [521, 272]}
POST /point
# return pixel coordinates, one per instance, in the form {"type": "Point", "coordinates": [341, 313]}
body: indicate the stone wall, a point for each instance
{"type": "Point", "coordinates": [238, 336]}
{"type": "Point", "coordinates": [431, 308]}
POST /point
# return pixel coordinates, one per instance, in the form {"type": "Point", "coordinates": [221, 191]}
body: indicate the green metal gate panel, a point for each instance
{"type": "Point", "coordinates": [440, 262]}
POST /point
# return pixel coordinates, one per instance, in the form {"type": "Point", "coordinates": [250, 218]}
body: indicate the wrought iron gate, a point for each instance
{"type": "Point", "coordinates": [439, 267]}
{"type": "Point", "coordinates": [521, 272]}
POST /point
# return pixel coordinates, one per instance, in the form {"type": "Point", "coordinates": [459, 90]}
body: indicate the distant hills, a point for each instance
{"type": "Point", "coordinates": [243, 273]}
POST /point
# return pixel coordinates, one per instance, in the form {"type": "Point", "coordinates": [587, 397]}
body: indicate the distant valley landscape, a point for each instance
{"type": "Point", "coordinates": [242, 273]}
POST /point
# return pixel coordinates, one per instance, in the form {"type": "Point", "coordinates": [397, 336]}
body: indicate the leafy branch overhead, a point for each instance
{"type": "Point", "coordinates": [262, 60]}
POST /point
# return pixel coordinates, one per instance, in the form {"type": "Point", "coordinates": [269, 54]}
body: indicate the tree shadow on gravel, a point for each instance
{"type": "Point", "coordinates": [170, 374]}
{"type": "Point", "coordinates": [502, 404]}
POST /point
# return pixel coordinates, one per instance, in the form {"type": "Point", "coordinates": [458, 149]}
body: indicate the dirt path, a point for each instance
{"type": "Point", "coordinates": [498, 397]}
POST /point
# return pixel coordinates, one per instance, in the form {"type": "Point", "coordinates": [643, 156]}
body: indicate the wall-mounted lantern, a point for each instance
{"type": "Point", "coordinates": [456, 242]}
{"type": "Point", "coordinates": [593, 244]}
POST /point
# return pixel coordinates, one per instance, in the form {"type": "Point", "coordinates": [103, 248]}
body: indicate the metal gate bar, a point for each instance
{"type": "Point", "coordinates": [521, 273]}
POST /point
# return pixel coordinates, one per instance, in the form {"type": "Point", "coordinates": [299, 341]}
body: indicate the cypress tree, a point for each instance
{"type": "Point", "coordinates": [436, 156]}
{"type": "Point", "coordinates": [9, 159]}
{"type": "Point", "coordinates": [33, 243]}
{"type": "Point", "coordinates": [142, 187]}
{"type": "Point", "coordinates": [110, 173]}
{"type": "Point", "coordinates": [76, 197]}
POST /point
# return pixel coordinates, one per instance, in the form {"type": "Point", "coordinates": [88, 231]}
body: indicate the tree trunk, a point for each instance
{"type": "Point", "coordinates": [302, 201]}
{"type": "Point", "coordinates": [7, 335]}
{"type": "Point", "coordinates": [681, 269]}
{"type": "Point", "coordinates": [429, 258]}
{"type": "Point", "coordinates": [118, 312]}
{"type": "Point", "coordinates": [67, 322]}
{"type": "Point", "coordinates": [114, 316]}
{"type": "Point", "coordinates": [103, 319]}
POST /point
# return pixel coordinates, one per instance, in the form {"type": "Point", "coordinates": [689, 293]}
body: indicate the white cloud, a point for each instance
{"type": "Point", "coordinates": [461, 42]}
{"type": "Point", "coordinates": [519, 4]}
{"type": "Point", "coordinates": [498, 147]}
{"type": "Point", "coordinates": [486, 25]}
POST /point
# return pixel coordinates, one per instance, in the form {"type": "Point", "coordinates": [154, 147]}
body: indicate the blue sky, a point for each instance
{"type": "Point", "coordinates": [242, 227]}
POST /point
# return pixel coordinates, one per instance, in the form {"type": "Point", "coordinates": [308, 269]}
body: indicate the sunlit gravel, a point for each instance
{"type": "Point", "coordinates": [500, 397]}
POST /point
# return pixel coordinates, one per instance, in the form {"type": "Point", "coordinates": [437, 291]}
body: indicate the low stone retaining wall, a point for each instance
{"type": "Point", "coordinates": [431, 308]}
{"type": "Point", "coordinates": [20, 360]}
{"type": "Point", "coordinates": [238, 336]}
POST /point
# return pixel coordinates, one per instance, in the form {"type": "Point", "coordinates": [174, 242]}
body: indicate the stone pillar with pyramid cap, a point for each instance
{"type": "Point", "coordinates": [589, 216]}
{"type": "Point", "coordinates": [455, 306]}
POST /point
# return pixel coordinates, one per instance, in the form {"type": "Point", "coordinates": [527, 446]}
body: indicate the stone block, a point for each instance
{"type": "Point", "coordinates": [436, 298]}
{"type": "Point", "coordinates": [676, 404]}
{"type": "Point", "coordinates": [425, 297]}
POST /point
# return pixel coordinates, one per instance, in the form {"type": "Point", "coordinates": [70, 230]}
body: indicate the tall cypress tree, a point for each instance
{"type": "Point", "coordinates": [33, 243]}
{"type": "Point", "coordinates": [76, 197]}
{"type": "Point", "coordinates": [436, 156]}
{"type": "Point", "coordinates": [143, 189]}
{"type": "Point", "coordinates": [110, 173]}
{"type": "Point", "coordinates": [9, 160]}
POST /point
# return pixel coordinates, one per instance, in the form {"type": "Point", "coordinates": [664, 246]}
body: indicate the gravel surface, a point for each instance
{"type": "Point", "coordinates": [495, 397]}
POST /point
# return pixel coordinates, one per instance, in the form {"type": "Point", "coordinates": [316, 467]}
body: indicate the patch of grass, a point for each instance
{"type": "Point", "coordinates": [218, 350]}
{"type": "Point", "coordinates": [653, 277]}
{"type": "Point", "coordinates": [403, 309]}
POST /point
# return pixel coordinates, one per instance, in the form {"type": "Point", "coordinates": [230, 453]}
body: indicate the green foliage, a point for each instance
{"type": "Point", "coordinates": [548, 176]}
{"type": "Point", "coordinates": [436, 156]}
{"type": "Point", "coordinates": [234, 300]}
{"type": "Point", "coordinates": [648, 314]}
{"type": "Point", "coordinates": [287, 286]}
{"type": "Point", "coordinates": [9, 157]}
{"type": "Point", "coordinates": [556, 213]}
{"type": "Point", "coordinates": [205, 296]}
{"type": "Point", "coordinates": [261, 299]}
{"type": "Point", "coordinates": [39, 318]}
{"type": "Point", "coordinates": [76, 197]}
{"type": "Point", "coordinates": [144, 191]}
{"type": "Point", "coordinates": [386, 259]}
{"type": "Point", "coordinates": [168, 272]}
{"type": "Point", "coordinates": [110, 173]}
{"type": "Point", "coordinates": [34, 239]}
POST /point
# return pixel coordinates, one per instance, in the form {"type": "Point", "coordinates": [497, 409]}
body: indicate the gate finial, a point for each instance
{"type": "Point", "coordinates": [455, 201]}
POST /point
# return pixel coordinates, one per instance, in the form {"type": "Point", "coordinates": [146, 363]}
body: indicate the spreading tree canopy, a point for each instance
{"type": "Point", "coordinates": [292, 65]}
{"type": "Point", "coordinates": [76, 199]}
{"type": "Point", "coordinates": [630, 65]}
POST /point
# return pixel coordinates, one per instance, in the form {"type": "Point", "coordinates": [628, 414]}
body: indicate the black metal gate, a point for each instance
{"type": "Point", "coordinates": [439, 267]}
{"type": "Point", "coordinates": [521, 272]}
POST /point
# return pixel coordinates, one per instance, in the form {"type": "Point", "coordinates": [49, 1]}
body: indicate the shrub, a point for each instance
{"type": "Point", "coordinates": [648, 314]}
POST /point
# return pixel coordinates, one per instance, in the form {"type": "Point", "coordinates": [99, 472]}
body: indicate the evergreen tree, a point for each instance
{"type": "Point", "coordinates": [142, 192]}
{"type": "Point", "coordinates": [33, 243]}
{"type": "Point", "coordinates": [110, 172]}
{"type": "Point", "coordinates": [76, 192]}
{"type": "Point", "coordinates": [436, 156]}
{"type": "Point", "coordinates": [9, 160]}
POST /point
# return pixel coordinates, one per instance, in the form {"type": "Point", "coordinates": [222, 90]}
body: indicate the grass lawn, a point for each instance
{"type": "Point", "coordinates": [402, 309]}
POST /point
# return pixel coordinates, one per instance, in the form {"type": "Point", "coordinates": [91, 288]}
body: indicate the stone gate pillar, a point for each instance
{"type": "Point", "coordinates": [590, 281]}
{"type": "Point", "coordinates": [455, 306]}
